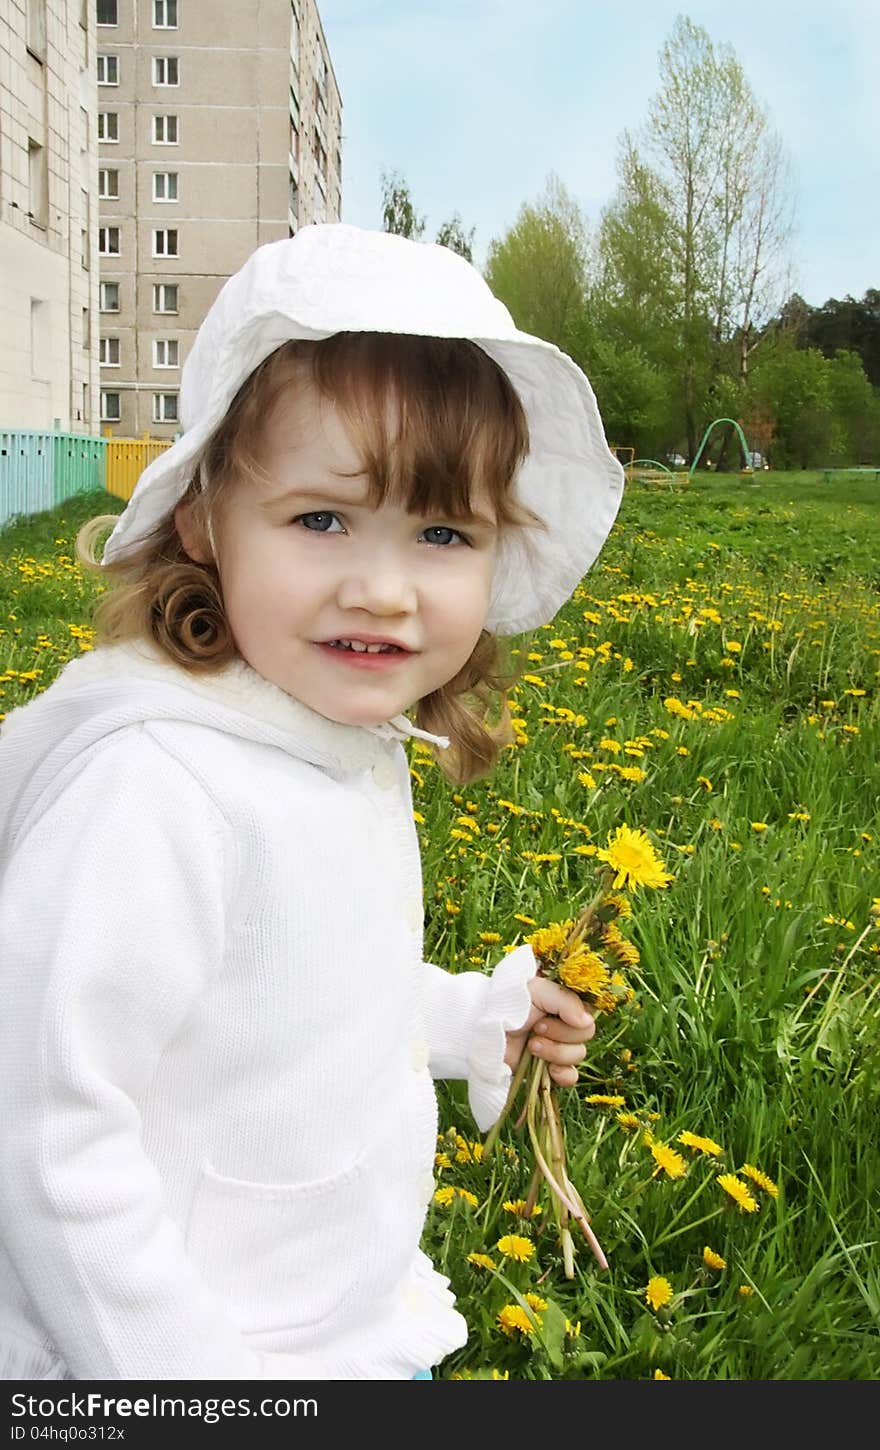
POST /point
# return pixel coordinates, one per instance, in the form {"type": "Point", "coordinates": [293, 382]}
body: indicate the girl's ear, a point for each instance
{"type": "Point", "coordinates": [191, 532]}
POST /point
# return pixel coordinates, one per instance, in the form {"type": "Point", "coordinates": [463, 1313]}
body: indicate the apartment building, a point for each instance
{"type": "Point", "coordinates": [219, 128]}
{"type": "Point", "coordinates": [48, 215]}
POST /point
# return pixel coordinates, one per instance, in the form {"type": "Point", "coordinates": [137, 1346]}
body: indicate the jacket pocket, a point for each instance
{"type": "Point", "coordinates": [281, 1256]}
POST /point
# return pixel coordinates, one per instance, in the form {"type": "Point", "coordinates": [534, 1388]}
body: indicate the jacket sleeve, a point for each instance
{"type": "Point", "coordinates": [467, 1017]}
{"type": "Point", "coordinates": [111, 928]}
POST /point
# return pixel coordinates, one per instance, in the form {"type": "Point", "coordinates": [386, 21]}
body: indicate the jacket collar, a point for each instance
{"type": "Point", "coordinates": [345, 748]}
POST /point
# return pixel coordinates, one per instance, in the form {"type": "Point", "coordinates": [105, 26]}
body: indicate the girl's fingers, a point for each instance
{"type": "Point", "coordinates": [563, 1054]}
{"type": "Point", "coordinates": [560, 1031]}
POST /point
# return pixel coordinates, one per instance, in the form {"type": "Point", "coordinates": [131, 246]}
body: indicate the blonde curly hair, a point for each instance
{"type": "Point", "coordinates": [458, 421]}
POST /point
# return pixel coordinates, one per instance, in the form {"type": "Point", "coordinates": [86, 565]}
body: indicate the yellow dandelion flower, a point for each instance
{"type": "Point", "coordinates": [573, 1330]}
{"type": "Point", "coordinates": [481, 1261]}
{"type": "Point", "coordinates": [547, 941]}
{"type": "Point", "coordinates": [612, 746]}
{"type": "Point", "coordinates": [469, 1198]}
{"type": "Point", "coordinates": [745, 1291]}
{"type": "Point", "coordinates": [668, 1160]}
{"type": "Point", "coordinates": [584, 971]}
{"type": "Point", "coordinates": [659, 1375]}
{"type": "Point", "coordinates": [738, 1192]}
{"type": "Point", "coordinates": [703, 1145]}
{"type": "Point", "coordinates": [607, 1100]}
{"type": "Point", "coordinates": [659, 1292]}
{"type": "Point", "coordinates": [713, 1260]}
{"type": "Point", "coordinates": [513, 1319]}
{"type": "Point", "coordinates": [518, 1205]}
{"type": "Point", "coordinates": [444, 1196]}
{"type": "Point", "coordinates": [628, 1121]}
{"type": "Point", "coordinates": [535, 1301]}
{"type": "Point", "coordinates": [490, 937]}
{"type": "Point", "coordinates": [632, 773]}
{"type": "Point", "coordinates": [633, 859]}
{"type": "Point", "coordinates": [759, 826]}
{"type": "Point", "coordinates": [515, 1246]}
{"type": "Point", "coordinates": [761, 1179]}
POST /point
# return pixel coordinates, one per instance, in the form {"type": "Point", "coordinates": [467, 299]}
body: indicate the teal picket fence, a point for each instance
{"type": "Point", "coordinates": [41, 469]}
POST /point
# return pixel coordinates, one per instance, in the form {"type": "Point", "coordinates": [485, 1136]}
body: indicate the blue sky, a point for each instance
{"type": "Point", "coordinates": [476, 101]}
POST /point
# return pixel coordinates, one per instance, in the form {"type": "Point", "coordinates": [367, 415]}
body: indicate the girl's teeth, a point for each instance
{"type": "Point", "coordinates": [359, 648]}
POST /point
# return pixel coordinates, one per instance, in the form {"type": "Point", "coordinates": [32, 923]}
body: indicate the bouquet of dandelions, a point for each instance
{"type": "Point", "coordinates": [586, 955]}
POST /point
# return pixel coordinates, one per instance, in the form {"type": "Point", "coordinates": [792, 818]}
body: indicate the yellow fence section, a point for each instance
{"type": "Point", "coordinates": [126, 460]}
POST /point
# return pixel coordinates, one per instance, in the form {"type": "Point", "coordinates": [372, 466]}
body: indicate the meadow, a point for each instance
{"type": "Point", "coordinates": [714, 681]}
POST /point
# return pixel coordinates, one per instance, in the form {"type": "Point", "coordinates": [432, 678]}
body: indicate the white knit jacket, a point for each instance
{"type": "Point", "coordinates": [218, 1037]}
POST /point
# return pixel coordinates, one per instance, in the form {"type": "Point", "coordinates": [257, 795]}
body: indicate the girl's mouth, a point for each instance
{"type": "Point", "coordinates": [382, 659]}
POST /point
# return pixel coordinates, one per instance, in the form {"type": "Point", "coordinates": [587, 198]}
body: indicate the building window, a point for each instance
{"type": "Point", "coordinates": [110, 409]}
{"type": "Point", "coordinates": [165, 186]}
{"type": "Point", "coordinates": [108, 296]}
{"type": "Point", "coordinates": [108, 125]}
{"type": "Point", "coordinates": [108, 70]}
{"type": "Point", "coordinates": [165, 352]}
{"type": "Point", "coordinates": [164, 14]}
{"type": "Point", "coordinates": [108, 184]}
{"type": "Point", "coordinates": [164, 296]}
{"type": "Point", "coordinates": [36, 29]}
{"type": "Point", "coordinates": [165, 130]}
{"type": "Point", "coordinates": [38, 184]}
{"type": "Point", "coordinates": [40, 338]}
{"type": "Point", "coordinates": [164, 407]}
{"type": "Point", "coordinates": [86, 330]}
{"type": "Point", "coordinates": [108, 352]}
{"type": "Point", "coordinates": [108, 241]}
{"type": "Point", "coordinates": [108, 12]}
{"type": "Point", "coordinates": [165, 242]}
{"type": "Point", "coordinates": [166, 70]}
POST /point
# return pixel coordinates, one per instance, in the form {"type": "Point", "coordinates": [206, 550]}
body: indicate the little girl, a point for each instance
{"type": "Point", "coordinates": [217, 1032]}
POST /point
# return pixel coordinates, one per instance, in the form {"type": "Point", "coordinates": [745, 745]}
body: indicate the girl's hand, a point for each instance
{"type": "Point", "coordinates": [557, 1029]}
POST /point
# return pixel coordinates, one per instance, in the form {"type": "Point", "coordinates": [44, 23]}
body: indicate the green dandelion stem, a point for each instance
{"type": "Point", "coordinates": [515, 1084]}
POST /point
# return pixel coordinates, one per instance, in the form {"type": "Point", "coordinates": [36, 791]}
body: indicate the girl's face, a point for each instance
{"type": "Point", "coordinates": [305, 561]}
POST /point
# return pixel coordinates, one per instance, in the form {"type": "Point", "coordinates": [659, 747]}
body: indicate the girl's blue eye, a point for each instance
{"type": "Point", "coordinates": [444, 529]}
{"type": "Point", "coordinates": [322, 527]}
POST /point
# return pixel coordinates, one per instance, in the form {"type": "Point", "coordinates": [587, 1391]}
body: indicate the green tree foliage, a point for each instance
{"type": "Point", "coordinates": [398, 213]}
{"type": "Point", "coordinates": [848, 325]}
{"type": "Point", "coordinates": [452, 234]}
{"type": "Point", "coordinates": [825, 410]}
{"type": "Point", "coordinates": [539, 269]}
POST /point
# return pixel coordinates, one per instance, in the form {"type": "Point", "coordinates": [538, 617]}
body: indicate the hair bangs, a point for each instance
{"type": "Point", "coordinates": [435, 421]}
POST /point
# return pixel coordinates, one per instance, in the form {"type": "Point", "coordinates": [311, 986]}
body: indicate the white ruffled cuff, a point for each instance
{"type": "Point", "coordinates": [505, 1009]}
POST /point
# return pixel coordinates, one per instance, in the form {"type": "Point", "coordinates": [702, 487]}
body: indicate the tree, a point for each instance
{"type": "Point", "coordinates": [708, 166]}
{"type": "Point", "coordinates": [539, 268]}
{"type": "Point", "coordinates": [398, 212]}
{"type": "Point", "coordinates": [453, 235]}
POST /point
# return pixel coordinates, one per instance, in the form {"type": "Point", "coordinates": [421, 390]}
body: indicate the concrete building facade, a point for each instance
{"type": "Point", "coordinates": [219, 128]}
{"type": "Point", "coordinates": [48, 216]}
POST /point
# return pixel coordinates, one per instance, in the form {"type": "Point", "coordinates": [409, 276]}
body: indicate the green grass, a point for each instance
{"type": "Point", "coordinates": [728, 641]}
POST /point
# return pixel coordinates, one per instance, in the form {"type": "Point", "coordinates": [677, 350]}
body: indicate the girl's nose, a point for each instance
{"type": "Point", "coordinates": [380, 585]}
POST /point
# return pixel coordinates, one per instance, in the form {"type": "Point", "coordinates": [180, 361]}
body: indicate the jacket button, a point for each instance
{"type": "Point", "coordinates": [383, 773]}
{"type": "Point", "coordinates": [418, 1056]}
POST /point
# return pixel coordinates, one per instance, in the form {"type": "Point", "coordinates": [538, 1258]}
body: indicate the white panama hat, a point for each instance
{"type": "Point", "coordinates": [331, 278]}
